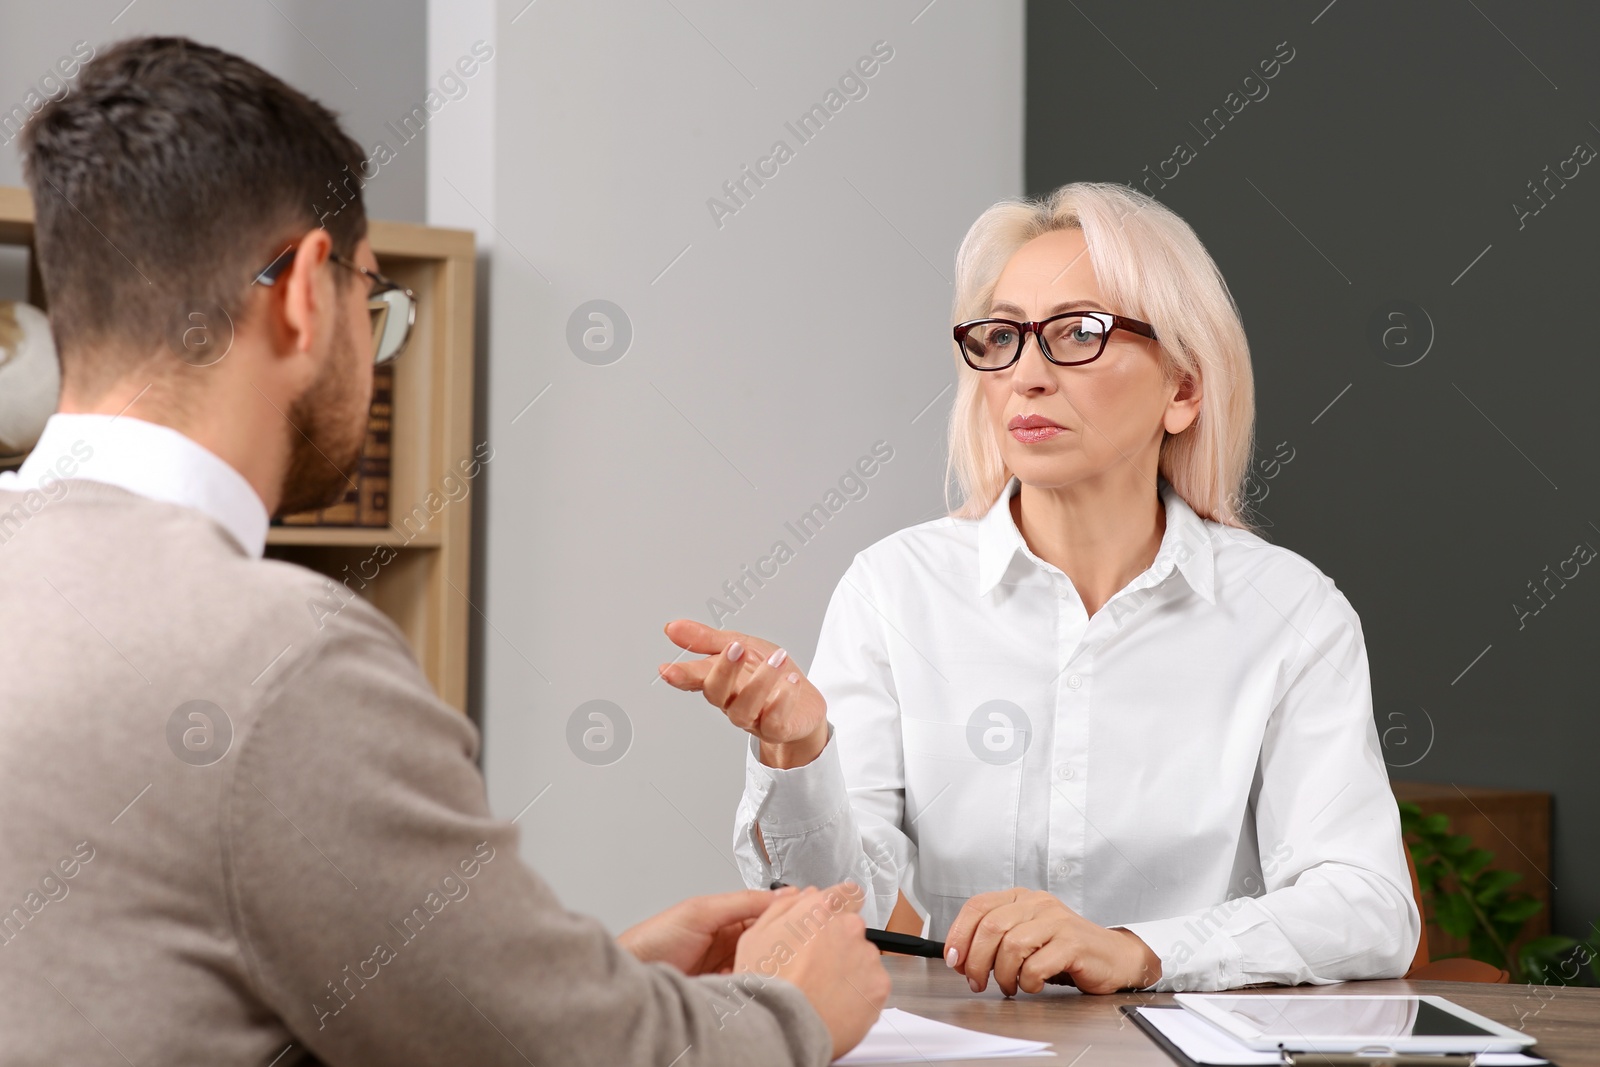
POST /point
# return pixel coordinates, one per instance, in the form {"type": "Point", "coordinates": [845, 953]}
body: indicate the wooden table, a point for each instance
{"type": "Point", "coordinates": [1089, 1031]}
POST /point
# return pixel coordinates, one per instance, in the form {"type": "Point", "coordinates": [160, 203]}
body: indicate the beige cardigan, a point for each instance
{"type": "Point", "coordinates": [235, 818]}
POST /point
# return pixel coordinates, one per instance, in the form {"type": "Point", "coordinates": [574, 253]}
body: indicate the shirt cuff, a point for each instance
{"type": "Point", "coordinates": [1195, 952]}
{"type": "Point", "coordinates": [799, 800]}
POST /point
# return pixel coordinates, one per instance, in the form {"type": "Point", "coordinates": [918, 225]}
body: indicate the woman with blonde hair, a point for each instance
{"type": "Point", "coordinates": [1089, 720]}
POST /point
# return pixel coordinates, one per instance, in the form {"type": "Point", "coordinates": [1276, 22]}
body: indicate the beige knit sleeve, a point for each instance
{"type": "Point", "coordinates": [386, 916]}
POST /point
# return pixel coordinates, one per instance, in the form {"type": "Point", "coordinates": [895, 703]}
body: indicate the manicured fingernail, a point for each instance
{"type": "Point", "coordinates": [794, 677]}
{"type": "Point", "coordinates": [973, 982]}
{"type": "Point", "coordinates": [735, 650]}
{"type": "Point", "coordinates": [951, 957]}
{"type": "Point", "coordinates": [777, 658]}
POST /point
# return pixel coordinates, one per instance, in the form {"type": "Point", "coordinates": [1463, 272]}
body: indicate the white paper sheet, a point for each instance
{"type": "Point", "coordinates": [1204, 1043]}
{"type": "Point", "coordinates": [901, 1037]}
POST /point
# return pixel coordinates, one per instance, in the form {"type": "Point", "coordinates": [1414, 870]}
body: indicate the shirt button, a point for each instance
{"type": "Point", "coordinates": [1063, 771]}
{"type": "Point", "coordinates": [1074, 681]}
{"type": "Point", "coordinates": [1064, 869]}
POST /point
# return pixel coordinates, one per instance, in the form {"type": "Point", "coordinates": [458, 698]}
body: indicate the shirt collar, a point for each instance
{"type": "Point", "coordinates": [150, 460]}
{"type": "Point", "coordinates": [1186, 544]}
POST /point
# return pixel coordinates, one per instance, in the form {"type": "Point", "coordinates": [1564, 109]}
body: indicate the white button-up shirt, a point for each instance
{"type": "Point", "coordinates": [1197, 762]}
{"type": "Point", "coordinates": [149, 460]}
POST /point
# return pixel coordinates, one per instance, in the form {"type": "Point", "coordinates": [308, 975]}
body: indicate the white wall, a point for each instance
{"type": "Point", "coordinates": [768, 355]}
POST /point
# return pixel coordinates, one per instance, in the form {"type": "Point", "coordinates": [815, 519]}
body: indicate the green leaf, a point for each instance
{"type": "Point", "coordinates": [1453, 914]}
{"type": "Point", "coordinates": [1539, 972]}
{"type": "Point", "coordinates": [1436, 823]}
{"type": "Point", "coordinates": [1549, 946]}
{"type": "Point", "coordinates": [1493, 883]}
{"type": "Point", "coordinates": [1456, 846]}
{"type": "Point", "coordinates": [1550, 960]}
{"type": "Point", "coordinates": [1516, 912]}
{"type": "Point", "coordinates": [1475, 861]}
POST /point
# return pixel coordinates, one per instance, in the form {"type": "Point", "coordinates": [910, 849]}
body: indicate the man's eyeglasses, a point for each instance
{"type": "Point", "coordinates": [393, 307]}
{"type": "Point", "coordinates": [1069, 340]}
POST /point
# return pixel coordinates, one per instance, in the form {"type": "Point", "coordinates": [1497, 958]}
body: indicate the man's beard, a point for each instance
{"type": "Point", "coordinates": [329, 428]}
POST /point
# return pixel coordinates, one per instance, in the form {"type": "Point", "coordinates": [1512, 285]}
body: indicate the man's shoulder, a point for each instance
{"type": "Point", "coordinates": [306, 598]}
{"type": "Point", "coordinates": [175, 568]}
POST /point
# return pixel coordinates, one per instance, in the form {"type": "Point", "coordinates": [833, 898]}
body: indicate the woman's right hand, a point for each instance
{"type": "Point", "coordinates": [755, 684]}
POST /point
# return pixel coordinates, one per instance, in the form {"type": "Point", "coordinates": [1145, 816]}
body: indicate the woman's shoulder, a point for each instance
{"type": "Point", "coordinates": [944, 543]}
{"type": "Point", "coordinates": [1247, 563]}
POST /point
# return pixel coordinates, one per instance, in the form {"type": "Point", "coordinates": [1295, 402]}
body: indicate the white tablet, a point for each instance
{"type": "Point", "coordinates": [1337, 1023]}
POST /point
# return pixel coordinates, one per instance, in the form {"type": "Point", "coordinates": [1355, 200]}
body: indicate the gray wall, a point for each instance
{"type": "Point", "coordinates": [363, 60]}
{"type": "Point", "coordinates": [767, 356]}
{"type": "Point", "coordinates": [1390, 160]}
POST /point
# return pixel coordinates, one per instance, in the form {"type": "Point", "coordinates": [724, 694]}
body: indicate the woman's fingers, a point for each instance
{"type": "Point", "coordinates": [738, 675]}
{"type": "Point", "coordinates": [750, 701]}
{"type": "Point", "coordinates": [693, 636]}
{"type": "Point", "coordinates": [1060, 953]}
{"type": "Point", "coordinates": [751, 681]}
{"type": "Point", "coordinates": [727, 675]}
{"type": "Point", "coordinates": [691, 676]}
{"type": "Point", "coordinates": [791, 708]}
{"type": "Point", "coordinates": [958, 940]}
{"type": "Point", "coordinates": [991, 929]}
{"type": "Point", "coordinates": [1019, 945]}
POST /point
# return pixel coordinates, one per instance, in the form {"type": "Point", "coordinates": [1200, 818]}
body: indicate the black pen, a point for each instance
{"type": "Point", "coordinates": [912, 945]}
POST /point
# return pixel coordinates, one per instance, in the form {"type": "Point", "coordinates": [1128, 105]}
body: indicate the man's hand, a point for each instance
{"type": "Point", "coordinates": [1026, 936]}
{"type": "Point", "coordinates": [699, 935]}
{"type": "Point", "coordinates": [755, 684]}
{"type": "Point", "coordinates": [815, 940]}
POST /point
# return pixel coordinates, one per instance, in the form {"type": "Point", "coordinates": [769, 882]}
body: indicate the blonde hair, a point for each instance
{"type": "Point", "coordinates": [1150, 265]}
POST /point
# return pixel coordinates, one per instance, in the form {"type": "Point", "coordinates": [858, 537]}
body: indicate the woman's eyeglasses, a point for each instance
{"type": "Point", "coordinates": [392, 306]}
{"type": "Point", "coordinates": [1069, 340]}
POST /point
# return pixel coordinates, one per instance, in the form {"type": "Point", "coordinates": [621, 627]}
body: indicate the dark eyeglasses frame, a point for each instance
{"type": "Point", "coordinates": [1110, 321]}
{"type": "Point", "coordinates": [375, 298]}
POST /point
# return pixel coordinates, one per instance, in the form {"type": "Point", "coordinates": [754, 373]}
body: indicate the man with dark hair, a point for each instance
{"type": "Point", "coordinates": [235, 831]}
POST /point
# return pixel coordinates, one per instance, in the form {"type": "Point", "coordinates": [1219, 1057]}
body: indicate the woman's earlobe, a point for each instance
{"type": "Point", "coordinates": [1166, 422]}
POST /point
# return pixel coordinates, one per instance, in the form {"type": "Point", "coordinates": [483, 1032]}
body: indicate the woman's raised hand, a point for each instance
{"type": "Point", "coordinates": [754, 683]}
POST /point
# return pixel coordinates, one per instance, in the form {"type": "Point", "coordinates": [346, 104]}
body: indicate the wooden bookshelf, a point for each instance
{"type": "Point", "coordinates": [424, 586]}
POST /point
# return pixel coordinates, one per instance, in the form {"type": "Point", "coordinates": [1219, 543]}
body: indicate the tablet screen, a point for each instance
{"type": "Point", "coordinates": [1286, 1018]}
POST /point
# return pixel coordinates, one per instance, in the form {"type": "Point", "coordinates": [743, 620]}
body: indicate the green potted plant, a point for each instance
{"type": "Point", "coordinates": [1473, 901]}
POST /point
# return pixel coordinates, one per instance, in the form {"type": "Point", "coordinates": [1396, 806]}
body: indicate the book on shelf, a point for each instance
{"type": "Point", "coordinates": [366, 502]}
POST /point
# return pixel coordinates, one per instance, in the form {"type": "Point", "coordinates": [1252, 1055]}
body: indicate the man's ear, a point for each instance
{"type": "Point", "coordinates": [306, 293]}
{"type": "Point", "coordinates": [1184, 408]}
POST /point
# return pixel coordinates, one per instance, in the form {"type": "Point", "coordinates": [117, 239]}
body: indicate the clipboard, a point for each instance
{"type": "Point", "coordinates": [1135, 1012]}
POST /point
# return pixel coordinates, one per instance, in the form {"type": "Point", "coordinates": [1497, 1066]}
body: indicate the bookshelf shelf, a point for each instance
{"type": "Point", "coordinates": [350, 537]}
{"type": "Point", "coordinates": [417, 569]}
